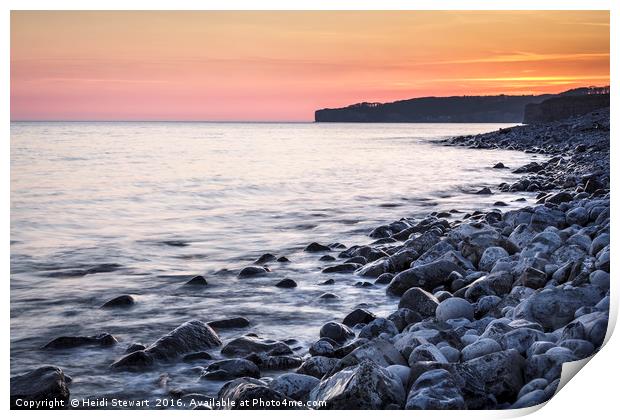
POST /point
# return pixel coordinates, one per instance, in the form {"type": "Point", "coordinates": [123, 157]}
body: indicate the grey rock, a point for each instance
{"type": "Point", "coordinates": [317, 366]}
{"type": "Point", "coordinates": [490, 256]}
{"type": "Point", "coordinates": [426, 276]}
{"type": "Point", "coordinates": [435, 390]}
{"type": "Point", "coordinates": [252, 391]}
{"type": "Point", "coordinates": [122, 301]}
{"type": "Point", "coordinates": [43, 384]}
{"type": "Point", "coordinates": [294, 385]}
{"type": "Point", "coordinates": [479, 348]}
{"type": "Point", "coordinates": [501, 372]}
{"type": "Point", "coordinates": [419, 300]}
{"type": "Point", "coordinates": [246, 345]}
{"type": "Point", "coordinates": [252, 271]}
{"type": "Point", "coordinates": [377, 328]}
{"type": "Point", "coordinates": [453, 308]}
{"type": "Point", "coordinates": [230, 369]}
{"type": "Point", "coordinates": [358, 316]}
{"type": "Point", "coordinates": [336, 331]}
{"type": "Point", "coordinates": [69, 342]}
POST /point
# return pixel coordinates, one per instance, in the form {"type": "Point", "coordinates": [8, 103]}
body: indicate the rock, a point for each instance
{"type": "Point", "coordinates": [600, 242]}
{"type": "Point", "coordinates": [484, 191]}
{"type": "Point", "coordinates": [577, 216]}
{"type": "Point", "coordinates": [336, 331]}
{"type": "Point", "coordinates": [327, 282]}
{"type": "Point", "coordinates": [404, 317]}
{"type": "Point", "coordinates": [554, 308]}
{"type": "Point", "coordinates": [286, 283]}
{"type": "Point", "coordinates": [317, 366]}
{"type": "Point", "coordinates": [265, 258]}
{"type": "Point", "coordinates": [498, 283]}
{"type": "Point", "coordinates": [600, 279]}
{"type": "Point", "coordinates": [499, 165]}
{"type": "Point", "coordinates": [453, 308]}
{"type": "Point", "coordinates": [380, 351]}
{"type": "Point", "coordinates": [44, 385]}
{"type": "Point", "coordinates": [451, 354]}
{"type": "Point", "coordinates": [67, 342]}
{"type": "Point", "coordinates": [189, 337]}
{"type": "Point", "coordinates": [327, 258]}
{"type": "Point", "coordinates": [521, 339]}
{"type": "Point", "coordinates": [365, 386]}
{"type": "Point", "coordinates": [384, 278]}
{"type": "Point", "coordinates": [251, 394]}
{"type": "Point", "coordinates": [435, 390]}
{"type": "Point", "coordinates": [237, 322]}
{"type": "Point", "coordinates": [245, 345]}
{"type": "Point", "coordinates": [294, 385]}
{"type": "Point", "coordinates": [199, 355]}
{"type": "Point", "coordinates": [197, 281]}
{"type": "Point", "coordinates": [403, 372]}
{"type": "Point", "coordinates": [222, 370]}
{"type": "Point", "coordinates": [580, 348]}
{"type": "Point", "coordinates": [533, 278]}
{"type": "Point", "coordinates": [548, 365]}
{"type": "Point", "coordinates": [134, 347]}
{"type": "Point", "coordinates": [283, 260]}
{"type": "Point", "coordinates": [427, 277]}
{"type": "Point", "coordinates": [501, 372]}
{"type": "Point", "coordinates": [490, 256]}
{"type": "Point", "coordinates": [267, 362]}
{"type": "Point", "coordinates": [479, 348]}
{"type": "Point", "coordinates": [341, 268]}
{"type": "Point", "coordinates": [558, 198]}
{"type": "Point", "coordinates": [602, 260]}
{"type": "Point", "coordinates": [316, 247]}
{"type": "Point", "coordinates": [121, 301]}
{"type": "Point", "coordinates": [426, 352]}
{"type": "Point", "coordinates": [419, 300]}
{"type": "Point", "coordinates": [530, 399]}
{"type": "Point", "coordinates": [358, 316]}
{"type": "Point", "coordinates": [252, 271]}
{"type": "Point", "coordinates": [377, 328]}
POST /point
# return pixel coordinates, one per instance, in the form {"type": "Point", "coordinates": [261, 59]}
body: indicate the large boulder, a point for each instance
{"type": "Point", "coordinates": [435, 390]}
{"type": "Point", "coordinates": [555, 307]}
{"type": "Point", "coordinates": [501, 372]}
{"type": "Point", "coordinates": [42, 385]}
{"type": "Point", "coordinates": [294, 385]}
{"type": "Point", "coordinates": [190, 337]}
{"type": "Point", "coordinates": [366, 386]}
{"type": "Point", "coordinates": [246, 345]}
{"type": "Point", "coordinates": [427, 277]}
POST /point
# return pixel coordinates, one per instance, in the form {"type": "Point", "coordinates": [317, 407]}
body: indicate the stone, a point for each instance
{"type": "Point", "coordinates": [44, 384]}
{"type": "Point", "coordinates": [265, 258]}
{"type": "Point", "coordinates": [336, 331]}
{"type": "Point", "coordinates": [246, 345]}
{"type": "Point", "coordinates": [600, 242]}
{"type": "Point", "coordinates": [198, 281]}
{"type": "Point", "coordinates": [533, 278]}
{"type": "Point", "coordinates": [365, 386]}
{"type": "Point", "coordinates": [317, 366]}
{"type": "Point", "coordinates": [189, 337]}
{"type": "Point", "coordinates": [286, 284]}
{"type": "Point", "coordinates": [378, 327]}
{"type": "Point", "coordinates": [134, 347]}
{"type": "Point", "coordinates": [600, 279]}
{"type": "Point", "coordinates": [404, 317]}
{"type": "Point", "coordinates": [316, 247]}
{"type": "Point", "coordinates": [490, 256]}
{"type": "Point", "coordinates": [328, 296]}
{"type": "Point", "coordinates": [69, 342]}
{"type": "Point", "coordinates": [358, 316]}
{"type": "Point", "coordinates": [435, 390]}
{"type": "Point", "coordinates": [484, 191]}
{"type": "Point", "coordinates": [198, 356]}
{"type": "Point", "coordinates": [530, 399]}
{"type": "Point", "coordinates": [380, 351]}
{"type": "Point", "coordinates": [229, 369]}
{"type": "Point", "coordinates": [577, 216]}
{"type": "Point", "coordinates": [251, 394]}
{"type": "Point", "coordinates": [426, 352]}
{"type": "Point", "coordinates": [384, 278]}
{"type": "Point", "coordinates": [427, 277]}
{"type": "Point", "coordinates": [453, 308]}
{"type": "Point", "coordinates": [252, 271]}
{"type": "Point", "coordinates": [451, 354]}
{"type": "Point", "coordinates": [521, 339]}
{"type": "Point", "coordinates": [419, 300]}
{"type": "Point", "coordinates": [122, 301]}
{"type": "Point", "coordinates": [501, 373]}
{"type": "Point", "coordinates": [294, 385]}
{"type": "Point", "coordinates": [479, 348]}
{"type": "Point", "coordinates": [341, 268]}
{"type": "Point", "coordinates": [548, 365]}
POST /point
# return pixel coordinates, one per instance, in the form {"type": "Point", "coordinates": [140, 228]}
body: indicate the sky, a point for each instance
{"type": "Point", "coordinates": [282, 66]}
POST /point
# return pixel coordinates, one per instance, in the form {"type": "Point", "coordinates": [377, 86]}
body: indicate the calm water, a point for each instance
{"type": "Point", "coordinates": [143, 207]}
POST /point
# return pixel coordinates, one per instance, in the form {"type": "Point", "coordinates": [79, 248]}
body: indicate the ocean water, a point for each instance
{"type": "Point", "coordinates": [103, 209]}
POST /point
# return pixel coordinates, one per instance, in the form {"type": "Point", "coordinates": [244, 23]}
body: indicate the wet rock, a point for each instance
{"type": "Point", "coordinates": [427, 277]}
{"type": "Point", "coordinates": [600, 242]}
{"type": "Point", "coordinates": [323, 347]}
{"type": "Point", "coordinates": [380, 351]}
{"type": "Point", "coordinates": [294, 385]}
{"type": "Point", "coordinates": [197, 281]}
{"type": "Point", "coordinates": [600, 279]}
{"type": "Point", "coordinates": [404, 317]}
{"type": "Point", "coordinates": [286, 284]}
{"type": "Point", "coordinates": [189, 337]}
{"type": "Point", "coordinates": [484, 191]}
{"type": "Point", "coordinates": [316, 247]}
{"type": "Point", "coordinates": [358, 316]}
{"type": "Point", "coordinates": [246, 345]}
{"type": "Point", "coordinates": [44, 384]}
{"type": "Point", "coordinates": [501, 372]}
{"type": "Point", "coordinates": [328, 296]}
{"type": "Point", "coordinates": [435, 390]}
{"type": "Point", "coordinates": [577, 216]}
{"type": "Point", "coordinates": [490, 256]}
{"type": "Point", "coordinates": [265, 258]}
{"type": "Point", "coordinates": [365, 386]}
{"type": "Point", "coordinates": [223, 370]}
{"type": "Point", "coordinates": [267, 362]}
{"type": "Point", "coordinates": [548, 365]}
{"type": "Point", "coordinates": [419, 300]}
{"type": "Point", "coordinates": [134, 347]}
{"type": "Point", "coordinates": [327, 258]}
{"type": "Point", "coordinates": [67, 342]}
{"type": "Point", "coordinates": [250, 394]}
{"type": "Point", "coordinates": [237, 322]}
{"type": "Point", "coordinates": [499, 165]}
{"type": "Point", "coordinates": [530, 399]}
{"type": "Point", "coordinates": [426, 352]}
{"type": "Point", "coordinates": [560, 197]}
{"type": "Point", "coordinates": [378, 327]}
{"type": "Point", "coordinates": [336, 331]}
{"type": "Point", "coordinates": [580, 348]}
{"type": "Point", "coordinates": [252, 271]}
{"type": "Point", "coordinates": [479, 348]}
{"type": "Point", "coordinates": [554, 308]}
{"type": "Point", "coordinates": [327, 282]}
{"type": "Point", "coordinates": [533, 278]}
{"type": "Point", "coordinates": [341, 268]}
{"type": "Point", "coordinates": [317, 366]}
{"type": "Point", "coordinates": [384, 278]}
{"type": "Point", "coordinates": [453, 308]}
{"type": "Point", "coordinates": [521, 339]}
{"type": "Point", "coordinates": [121, 301]}
{"type": "Point", "coordinates": [283, 260]}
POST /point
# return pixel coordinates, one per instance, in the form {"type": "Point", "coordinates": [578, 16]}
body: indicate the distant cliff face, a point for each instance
{"type": "Point", "coordinates": [562, 107]}
{"type": "Point", "coordinates": [456, 109]}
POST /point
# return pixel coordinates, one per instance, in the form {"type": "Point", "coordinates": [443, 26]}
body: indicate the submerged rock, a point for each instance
{"type": "Point", "coordinates": [230, 369]}
{"type": "Point", "coordinates": [237, 322]}
{"type": "Point", "coordinates": [68, 342]}
{"type": "Point", "coordinates": [43, 385]}
{"type": "Point", "coordinates": [122, 301]}
{"type": "Point", "coordinates": [252, 271]}
{"type": "Point", "coordinates": [244, 346]}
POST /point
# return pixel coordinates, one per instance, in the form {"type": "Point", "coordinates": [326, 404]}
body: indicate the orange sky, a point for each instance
{"type": "Point", "coordinates": [281, 66]}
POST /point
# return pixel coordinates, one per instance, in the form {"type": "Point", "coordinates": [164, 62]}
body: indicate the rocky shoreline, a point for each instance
{"type": "Point", "coordinates": [491, 303]}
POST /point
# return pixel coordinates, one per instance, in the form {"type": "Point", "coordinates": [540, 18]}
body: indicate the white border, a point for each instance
{"type": "Point", "coordinates": [592, 394]}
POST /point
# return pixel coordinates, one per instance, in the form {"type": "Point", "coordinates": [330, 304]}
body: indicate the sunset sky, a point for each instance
{"type": "Point", "coordinates": [281, 66]}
